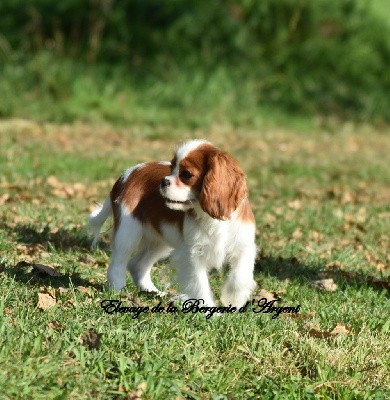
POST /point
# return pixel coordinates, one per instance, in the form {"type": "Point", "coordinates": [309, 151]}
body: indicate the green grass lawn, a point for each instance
{"type": "Point", "coordinates": [321, 199]}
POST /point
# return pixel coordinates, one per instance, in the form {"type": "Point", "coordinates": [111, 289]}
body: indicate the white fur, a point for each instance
{"type": "Point", "coordinates": [182, 193]}
{"type": "Point", "coordinates": [97, 218]}
{"type": "Point", "coordinates": [204, 244]}
{"type": "Point", "coordinates": [136, 249]}
{"type": "Point", "coordinates": [102, 212]}
{"type": "Point", "coordinates": [186, 147]}
{"type": "Point", "coordinates": [129, 171]}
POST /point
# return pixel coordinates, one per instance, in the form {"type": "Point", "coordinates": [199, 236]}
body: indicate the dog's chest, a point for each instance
{"type": "Point", "coordinates": [207, 241]}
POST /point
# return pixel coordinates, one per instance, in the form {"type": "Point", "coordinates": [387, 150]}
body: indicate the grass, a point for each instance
{"type": "Point", "coordinates": [321, 202]}
{"type": "Point", "coordinates": [45, 87]}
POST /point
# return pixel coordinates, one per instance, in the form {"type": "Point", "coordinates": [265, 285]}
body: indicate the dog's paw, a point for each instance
{"type": "Point", "coordinates": [154, 293]}
{"type": "Point", "coordinates": [179, 298]}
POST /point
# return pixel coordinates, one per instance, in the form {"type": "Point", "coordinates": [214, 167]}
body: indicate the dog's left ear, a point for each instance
{"type": "Point", "coordinates": [224, 186]}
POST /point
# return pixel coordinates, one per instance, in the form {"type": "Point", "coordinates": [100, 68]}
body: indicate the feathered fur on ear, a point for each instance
{"type": "Point", "coordinates": [224, 186]}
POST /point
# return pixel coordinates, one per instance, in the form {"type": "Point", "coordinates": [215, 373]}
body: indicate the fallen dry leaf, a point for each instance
{"type": "Point", "coordinates": [297, 233]}
{"type": "Point", "coordinates": [66, 190]}
{"type": "Point", "coordinates": [334, 265]}
{"type": "Point", "coordinates": [370, 257]}
{"type": "Point", "coordinates": [374, 261]}
{"type": "Point", "coordinates": [341, 329]}
{"type": "Point", "coordinates": [295, 204]}
{"type": "Point", "coordinates": [45, 301]}
{"type": "Point", "coordinates": [8, 311]}
{"type": "Point", "coordinates": [379, 283]}
{"type": "Point", "coordinates": [4, 198]}
{"type": "Point", "coordinates": [32, 249]}
{"type": "Point", "coordinates": [380, 267]}
{"type": "Point", "coordinates": [69, 302]}
{"type": "Point", "coordinates": [90, 339]}
{"type": "Point", "coordinates": [263, 293]}
{"type": "Point", "coordinates": [40, 268]}
{"type": "Point", "coordinates": [316, 236]}
{"type": "Point", "coordinates": [136, 394]}
{"type": "Point", "coordinates": [347, 197]}
{"type": "Point", "coordinates": [337, 330]}
{"type": "Point", "coordinates": [53, 181]}
{"type": "Point", "coordinates": [269, 218]}
{"type": "Point", "coordinates": [46, 270]}
{"type": "Point", "coordinates": [86, 290]}
{"type": "Point", "coordinates": [325, 284]}
{"type": "Point", "coordinates": [308, 315]}
{"type": "Point", "coordinates": [57, 326]}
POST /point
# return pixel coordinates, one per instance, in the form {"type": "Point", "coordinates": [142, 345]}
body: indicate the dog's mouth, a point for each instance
{"type": "Point", "coordinates": [184, 203]}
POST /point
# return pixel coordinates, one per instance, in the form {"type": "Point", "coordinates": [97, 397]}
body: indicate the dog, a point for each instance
{"type": "Point", "coordinates": [195, 209]}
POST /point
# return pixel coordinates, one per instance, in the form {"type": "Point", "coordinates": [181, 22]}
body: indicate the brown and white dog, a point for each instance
{"type": "Point", "coordinates": [194, 209]}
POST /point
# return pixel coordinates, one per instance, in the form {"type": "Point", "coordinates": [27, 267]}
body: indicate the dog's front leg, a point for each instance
{"type": "Point", "coordinates": [240, 283]}
{"type": "Point", "coordinates": [192, 276]}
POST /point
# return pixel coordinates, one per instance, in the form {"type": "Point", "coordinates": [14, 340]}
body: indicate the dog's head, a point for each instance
{"type": "Point", "coordinates": [200, 173]}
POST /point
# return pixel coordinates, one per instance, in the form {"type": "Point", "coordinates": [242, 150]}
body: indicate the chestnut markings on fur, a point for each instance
{"type": "Point", "coordinates": [140, 193]}
{"type": "Point", "coordinates": [194, 209]}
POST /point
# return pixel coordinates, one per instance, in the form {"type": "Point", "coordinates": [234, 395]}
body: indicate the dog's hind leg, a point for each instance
{"type": "Point", "coordinates": [125, 243]}
{"type": "Point", "coordinates": [141, 264]}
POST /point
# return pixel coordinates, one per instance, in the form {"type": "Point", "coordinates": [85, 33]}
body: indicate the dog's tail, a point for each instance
{"type": "Point", "coordinates": [97, 219]}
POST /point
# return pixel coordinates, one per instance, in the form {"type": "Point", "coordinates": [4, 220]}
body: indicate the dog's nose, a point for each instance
{"type": "Point", "coordinates": [165, 182]}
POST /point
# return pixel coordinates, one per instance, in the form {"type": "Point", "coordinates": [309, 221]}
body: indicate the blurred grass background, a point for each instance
{"type": "Point", "coordinates": [297, 90]}
{"type": "Point", "coordinates": [194, 62]}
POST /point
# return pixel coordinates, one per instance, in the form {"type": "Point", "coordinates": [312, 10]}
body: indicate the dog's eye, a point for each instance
{"type": "Point", "coordinates": [186, 174]}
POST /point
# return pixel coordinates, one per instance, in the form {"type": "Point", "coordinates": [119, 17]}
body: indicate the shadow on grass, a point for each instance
{"type": "Point", "coordinates": [78, 239]}
{"type": "Point", "coordinates": [287, 268]}
{"type": "Point", "coordinates": [60, 240]}
{"type": "Point", "coordinates": [293, 269]}
{"type": "Point", "coordinates": [30, 277]}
